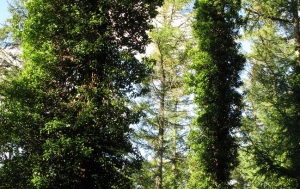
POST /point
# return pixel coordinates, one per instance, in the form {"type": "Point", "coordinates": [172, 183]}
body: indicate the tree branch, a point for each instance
{"type": "Point", "coordinates": [267, 16]}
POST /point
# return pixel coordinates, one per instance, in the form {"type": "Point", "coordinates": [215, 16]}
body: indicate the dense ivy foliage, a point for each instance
{"type": "Point", "coordinates": [66, 119]}
{"type": "Point", "coordinates": [214, 81]}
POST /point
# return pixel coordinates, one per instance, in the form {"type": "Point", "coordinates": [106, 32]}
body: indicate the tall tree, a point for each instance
{"type": "Point", "coordinates": [66, 114]}
{"type": "Point", "coordinates": [214, 81]}
{"type": "Point", "coordinates": [164, 128]}
{"type": "Point", "coordinates": [272, 125]}
{"type": "Point", "coordinates": [266, 148]}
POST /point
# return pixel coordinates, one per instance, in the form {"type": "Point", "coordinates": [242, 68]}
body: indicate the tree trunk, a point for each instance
{"type": "Point", "coordinates": [174, 159]}
{"type": "Point", "coordinates": [159, 176]}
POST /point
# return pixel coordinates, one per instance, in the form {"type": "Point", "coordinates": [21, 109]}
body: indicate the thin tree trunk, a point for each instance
{"type": "Point", "coordinates": [159, 177]}
{"type": "Point", "coordinates": [174, 159]}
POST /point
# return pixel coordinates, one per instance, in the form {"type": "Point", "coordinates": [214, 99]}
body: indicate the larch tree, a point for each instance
{"type": "Point", "coordinates": [67, 112]}
{"type": "Point", "coordinates": [163, 131]}
{"type": "Point", "coordinates": [214, 80]}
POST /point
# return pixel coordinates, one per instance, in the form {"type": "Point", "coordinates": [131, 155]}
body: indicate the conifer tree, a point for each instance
{"type": "Point", "coordinates": [214, 81]}
{"type": "Point", "coordinates": [163, 131]}
{"type": "Point", "coordinates": [267, 114]}
{"type": "Point", "coordinates": [272, 124]}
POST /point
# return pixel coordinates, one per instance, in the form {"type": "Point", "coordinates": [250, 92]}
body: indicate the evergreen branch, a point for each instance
{"type": "Point", "coordinates": [267, 16]}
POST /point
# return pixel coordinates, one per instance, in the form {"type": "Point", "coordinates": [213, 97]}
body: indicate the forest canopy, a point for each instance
{"type": "Point", "coordinates": [150, 94]}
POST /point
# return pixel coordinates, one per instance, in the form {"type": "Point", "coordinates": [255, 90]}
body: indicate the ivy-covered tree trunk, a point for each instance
{"type": "Point", "coordinates": [67, 112]}
{"type": "Point", "coordinates": [214, 81]}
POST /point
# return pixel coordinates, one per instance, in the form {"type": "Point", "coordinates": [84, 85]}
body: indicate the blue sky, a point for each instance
{"type": "Point", "coordinates": [3, 11]}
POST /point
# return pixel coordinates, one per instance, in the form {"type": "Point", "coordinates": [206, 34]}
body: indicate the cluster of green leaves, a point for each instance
{"type": "Point", "coordinates": [65, 120]}
{"type": "Point", "coordinates": [214, 81]}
